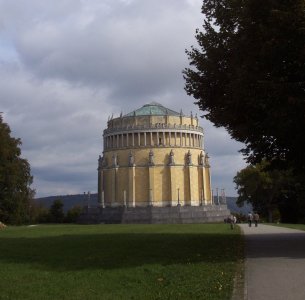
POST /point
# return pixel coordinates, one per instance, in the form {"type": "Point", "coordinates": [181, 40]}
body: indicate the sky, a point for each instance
{"type": "Point", "coordinates": [67, 65]}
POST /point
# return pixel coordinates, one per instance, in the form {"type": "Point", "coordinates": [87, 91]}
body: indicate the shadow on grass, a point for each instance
{"type": "Point", "coordinates": [111, 251]}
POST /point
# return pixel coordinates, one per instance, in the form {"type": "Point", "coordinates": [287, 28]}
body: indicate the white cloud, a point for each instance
{"type": "Point", "coordinates": [67, 65]}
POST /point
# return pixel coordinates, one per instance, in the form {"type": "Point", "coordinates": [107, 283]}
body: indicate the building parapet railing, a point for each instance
{"type": "Point", "coordinates": [154, 127]}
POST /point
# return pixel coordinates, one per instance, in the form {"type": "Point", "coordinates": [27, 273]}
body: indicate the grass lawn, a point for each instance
{"type": "Point", "coordinates": [119, 261]}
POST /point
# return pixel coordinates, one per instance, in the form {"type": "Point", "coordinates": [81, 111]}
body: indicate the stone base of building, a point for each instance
{"type": "Point", "coordinates": [154, 215]}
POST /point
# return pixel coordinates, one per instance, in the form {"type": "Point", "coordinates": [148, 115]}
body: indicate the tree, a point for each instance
{"type": "Point", "coordinates": [248, 75]}
{"type": "Point", "coordinates": [15, 179]}
{"type": "Point", "coordinates": [73, 214]}
{"type": "Point", "coordinates": [38, 213]}
{"type": "Point", "coordinates": [264, 189]}
{"type": "Point", "coordinates": [56, 211]}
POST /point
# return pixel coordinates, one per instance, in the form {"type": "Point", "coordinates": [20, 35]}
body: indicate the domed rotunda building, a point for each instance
{"type": "Point", "coordinates": [154, 169]}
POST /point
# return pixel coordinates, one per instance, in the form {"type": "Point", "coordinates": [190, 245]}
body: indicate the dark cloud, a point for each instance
{"type": "Point", "coordinates": [66, 66]}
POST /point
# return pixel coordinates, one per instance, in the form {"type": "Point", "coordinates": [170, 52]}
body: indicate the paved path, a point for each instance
{"type": "Point", "coordinates": [275, 263]}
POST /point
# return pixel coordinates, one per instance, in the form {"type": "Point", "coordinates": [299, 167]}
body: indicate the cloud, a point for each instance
{"type": "Point", "coordinates": [66, 66]}
{"type": "Point", "coordinates": [134, 48]}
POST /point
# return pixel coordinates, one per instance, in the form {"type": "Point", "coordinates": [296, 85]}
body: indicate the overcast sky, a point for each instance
{"type": "Point", "coordinates": [66, 65]}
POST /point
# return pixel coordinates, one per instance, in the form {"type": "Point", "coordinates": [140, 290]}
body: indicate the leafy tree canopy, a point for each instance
{"type": "Point", "coordinates": [57, 212]}
{"type": "Point", "coordinates": [264, 189]}
{"type": "Point", "coordinates": [15, 179]}
{"type": "Point", "coordinates": [73, 214]}
{"type": "Point", "coordinates": [248, 75]}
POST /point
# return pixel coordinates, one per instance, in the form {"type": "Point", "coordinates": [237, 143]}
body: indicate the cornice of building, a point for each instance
{"type": "Point", "coordinates": [154, 127]}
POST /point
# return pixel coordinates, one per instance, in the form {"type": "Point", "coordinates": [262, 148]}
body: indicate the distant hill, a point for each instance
{"type": "Point", "coordinates": [232, 206]}
{"type": "Point", "coordinates": [82, 200]}
{"type": "Point", "coordinates": [69, 200]}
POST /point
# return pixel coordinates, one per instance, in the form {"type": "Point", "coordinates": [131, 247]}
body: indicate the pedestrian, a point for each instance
{"type": "Point", "coordinates": [256, 218]}
{"type": "Point", "coordinates": [232, 220]}
{"type": "Point", "coordinates": [250, 219]}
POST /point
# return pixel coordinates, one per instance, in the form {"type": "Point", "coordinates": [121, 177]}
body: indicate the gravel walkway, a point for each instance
{"type": "Point", "coordinates": [275, 263]}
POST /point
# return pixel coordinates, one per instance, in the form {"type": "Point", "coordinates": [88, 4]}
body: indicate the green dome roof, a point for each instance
{"type": "Point", "coordinates": [152, 108]}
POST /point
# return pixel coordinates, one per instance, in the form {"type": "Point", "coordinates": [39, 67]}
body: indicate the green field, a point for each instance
{"type": "Point", "coordinates": [118, 261]}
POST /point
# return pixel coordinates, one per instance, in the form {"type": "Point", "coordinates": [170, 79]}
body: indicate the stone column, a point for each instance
{"type": "Point", "coordinates": [151, 139]}
{"type": "Point", "coordinates": [175, 138]}
{"type": "Point", "coordinates": [127, 139]}
{"type": "Point", "coordinates": [139, 139]}
{"type": "Point", "coordinates": [173, 186]}
{"type": "Point", "coordinates": [181, 138]}
{"type": "Point", "coordinates": [151, 185]}
{"type": "Point", "coordinates": [133, 139]}
{"type": "Point", "coordinates": [122, 137]}
{"type": "Point", "coordinates": [114, 186]}
{"type": "Point", "coordinates": [131, 187]}
{"type": "Point", "coordinates": [207, 185]}
{"type": "Point", "coordinates": [193, 184]}
{"type": "Point", "coordinates": [100, 186]}
{"type": "Point", "coordinates": [103, 199]}
{"type": "Point", "coordinates": [201, 185]}
{"type": "Point", "coordinates": [124, 198]}
{"type": "Point", "coordinates": [145, 139]}
{"type": "Point", "coordinates": [164, 142]}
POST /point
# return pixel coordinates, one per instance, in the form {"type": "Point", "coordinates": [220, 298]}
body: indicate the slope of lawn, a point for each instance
{"type": "Point", "coordinates": [118, 261]}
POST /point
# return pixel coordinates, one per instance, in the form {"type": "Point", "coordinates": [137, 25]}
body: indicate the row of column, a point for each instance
{"type": "Point", "coordinates": [137, 139]}
{"type": "Point", "coordinates": [199, 188]}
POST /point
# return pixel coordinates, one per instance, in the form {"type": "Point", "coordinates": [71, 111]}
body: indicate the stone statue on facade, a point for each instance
{"type": "Point", "coordinates": [151, 158]}
{"type": "Point", "coordinates": [131, 160]}
{"type": "Point", "coordinates": [206, 161]}
{"type": "Point", "coordinates": [100, 162]}
{"type": "Point", "coordinates": [201, 159]}
{"type": "Point", "coordinates": [115, 160]}
{"type": "Point", "coordinates": [171, 158]}
{"type": "Point", "coordinates": [189, 158]}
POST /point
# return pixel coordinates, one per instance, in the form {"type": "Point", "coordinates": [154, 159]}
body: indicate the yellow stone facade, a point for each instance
{"type": "Point", "coordinates": [154, 156]}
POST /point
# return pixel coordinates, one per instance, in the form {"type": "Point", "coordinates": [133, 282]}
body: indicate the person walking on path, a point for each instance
{"type": "Point", "coordinates": [250, 219]}
{"type": "Point", "coordinates": [256, 218]}
{"type": "Point", "coordinates": [232, 220]}
{"type": "Point", "coordinates": [274, 264]}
